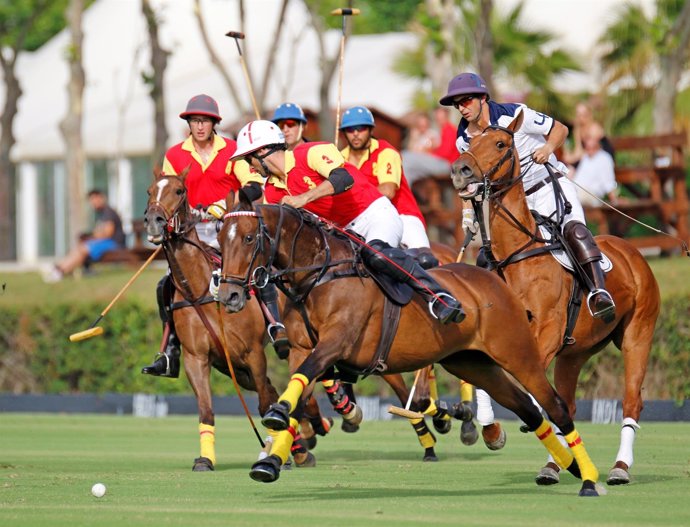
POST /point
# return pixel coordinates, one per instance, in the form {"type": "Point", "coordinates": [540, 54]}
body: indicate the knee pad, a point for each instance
{"type": "Point", "coordinates": [482, 261]}
{"type": "Point", "coordinates": [426, 258]}
{"type": "Point", "coordinates": [164, 294]}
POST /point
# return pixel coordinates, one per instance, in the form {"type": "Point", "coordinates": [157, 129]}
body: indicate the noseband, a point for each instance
{"type": "Point", "coordinates": [173, 223]}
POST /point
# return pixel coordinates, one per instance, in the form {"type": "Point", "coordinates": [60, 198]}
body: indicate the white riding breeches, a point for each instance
{"type": "Point", "coordinates": [544, 201]}
{"type": "Point", "coordinates": [414, 234]}
{"type": "Point", "coordinates": [380, 221]}
{"type": "Point", "coordinates": [207, 233]}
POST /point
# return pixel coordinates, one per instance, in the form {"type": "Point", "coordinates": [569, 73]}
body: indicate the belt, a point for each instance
{"type": "Point", "coordinates": [541, 184]}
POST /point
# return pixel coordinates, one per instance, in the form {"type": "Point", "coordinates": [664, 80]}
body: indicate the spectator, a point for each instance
{"type": "Point", "coordinates": [107, 235]}
{"type": "Point", "coordinates": [595, 176]}
{"type": "Point", "coordinates": [419, 160]}
{"type": "Point", "coordinates": [585, 124]}
{"type": "Point", "coordinates": [447, 130]}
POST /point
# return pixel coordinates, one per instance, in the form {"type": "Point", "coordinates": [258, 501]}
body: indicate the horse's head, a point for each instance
{"type": "Point", "coordinates": [244, 244]}
{"type": "Point", "coordinates": [489, 162]}
{"type": "Point", "coordinates": [167, 206]}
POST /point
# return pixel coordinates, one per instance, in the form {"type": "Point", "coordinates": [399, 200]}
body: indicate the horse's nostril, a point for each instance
{"type": "Point", "coordinates": [466, 170]}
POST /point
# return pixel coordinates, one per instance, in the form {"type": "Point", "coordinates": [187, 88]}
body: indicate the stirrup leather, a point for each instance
{"type": "Point", "coordinates": [604, 312]}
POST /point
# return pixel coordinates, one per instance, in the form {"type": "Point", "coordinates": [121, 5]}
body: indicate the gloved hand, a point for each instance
{"type": "Point", "coordinates": [217, 209]}
{"type": "Point", "coordinates": [214, 285]}
{"type": "Point", "coordinates": [469, 223]}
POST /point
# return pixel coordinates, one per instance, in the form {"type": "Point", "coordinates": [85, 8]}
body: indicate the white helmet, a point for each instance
{"type": "Point", "coordinates": [256, 135]}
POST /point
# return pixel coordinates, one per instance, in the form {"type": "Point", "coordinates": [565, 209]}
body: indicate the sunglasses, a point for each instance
{"type": "Point", "coordinates": [353, 129]}
{"type": "Point", "coordinates": [464, 102]}
{"type": "Point", "coordinates": [290, 123]}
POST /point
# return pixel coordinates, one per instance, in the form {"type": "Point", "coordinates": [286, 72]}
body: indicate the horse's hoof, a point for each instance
{"type": "Point", "coordinates": [588, 489]}
{"type": "Point", "coordinates": [202, 464]}
{"type": "Point", "coordinates": [429, 455]}
{"type": "Point", "coordinates": [309, 443]}
{"type": "Point", "coordinates": [462, 411]}
{"type": "Point", "coordinates": [277, 417]}
{"type": "Point", "coordinates": [494, 436]}
{"type": "Point", "coordinates": [306, 460]}
{"type": "Point", "coordinates": [323, 426]}
{"type": "Point", "coordinates": [348, 427]}
{"type": "Point", "coordinates": [442, 426]}
{"type": "Point", "coordinates": [468, 433]}
{"type": "Point", "coordinates": [618, 476]}
{"type": "Point", "coordinates": [267, 470]}
{"type": "Point", "coordinates": [355, 416]}
{"type": "Point", "coordinates": [547, 476]}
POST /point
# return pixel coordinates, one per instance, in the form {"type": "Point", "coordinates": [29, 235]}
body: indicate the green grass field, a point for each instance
{"type": "Point", "coordinates": [48, 464]}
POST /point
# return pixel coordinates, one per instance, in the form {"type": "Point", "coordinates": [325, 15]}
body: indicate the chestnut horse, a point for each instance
{"type": "Point", "coordinates": [491, 168]}
{"type": "Point", "coordinates": [168, 221]}
{"type": "Point", "coordinates": [493, 348]}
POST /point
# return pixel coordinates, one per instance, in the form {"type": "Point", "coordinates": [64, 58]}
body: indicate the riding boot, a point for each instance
{"type": "Point", "coordinates": [424, 257]}
{"type": "Point", "coordinates": [399, 265]}
{"type": "Point", "coordinates": [581, 241]}
{"type": "Point", "coordinates": [275, 327]}
{"type": "Point", "coordinates": [167, 362]}
{"type": "Point", "coordinates": [442, 304]}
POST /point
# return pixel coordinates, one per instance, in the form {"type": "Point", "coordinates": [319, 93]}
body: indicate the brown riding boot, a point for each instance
{"type": "Point", "coordinates": [581, 241]}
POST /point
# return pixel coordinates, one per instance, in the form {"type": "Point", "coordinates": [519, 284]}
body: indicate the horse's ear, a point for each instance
{"type": "Point", "coordinates": [157, 172]}
{"type": "Point", "coordinates": [184, 172]}
{"type": "Point", "coordinates": [517, 122]}
{"type": "Point", "coordinates": [230, 200]}
{"type": "Point", "coordinates": [244, 203]}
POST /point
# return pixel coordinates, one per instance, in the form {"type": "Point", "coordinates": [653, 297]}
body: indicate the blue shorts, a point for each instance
{"type": "Point", "coordinates": [99, 247]}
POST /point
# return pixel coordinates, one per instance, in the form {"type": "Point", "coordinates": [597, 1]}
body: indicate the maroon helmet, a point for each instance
{"type": "Point", "coordinates": [464, 84]}
{"type": "Point", "coordinates": [202, 105]}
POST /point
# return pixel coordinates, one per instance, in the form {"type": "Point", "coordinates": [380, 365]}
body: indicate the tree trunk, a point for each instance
{"type": "Point", "coordinates": [484, 42]}
{"type": "Point", "coordinates": [215, 60]}
{"type": "Point", "coordinates": [671, 62]}
{"type": "Point", "coordinates": [273, 53]}
{"type": "Point", "coordinates": [13, 92]}
{"type": "Point", "coordinates": [439, 64]}
{"type": "Point", "coordinates": [71, 125]}
{"type": "Point", "coordinates": [159, 62]}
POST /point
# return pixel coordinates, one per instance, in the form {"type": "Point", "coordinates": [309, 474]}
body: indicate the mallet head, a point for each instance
{"type": "Point", "coordinates": [345, 11]}
{"type": "Point", "coordinates": [235, 34]}
{"type": "Point", "coordinates": [86, 334]}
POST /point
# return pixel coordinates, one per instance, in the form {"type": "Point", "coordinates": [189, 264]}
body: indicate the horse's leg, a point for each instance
{"type": "Point", "coordinates": [463, 412]}
{"type": "Point", "coordinates": [198, 370]}
{"type": "Point", "coordinates": [437, 409]}
{"type": "Point", "coordinates": [424, 435]}
{"type": "Point", "coordinates": [478, 369]}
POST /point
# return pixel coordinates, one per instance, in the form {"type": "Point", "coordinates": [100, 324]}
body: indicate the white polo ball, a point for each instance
{"type": "Point", "coordinates": [98, 490]}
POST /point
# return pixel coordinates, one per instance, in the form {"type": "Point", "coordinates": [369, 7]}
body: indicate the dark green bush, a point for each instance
{"type": "Point", "coordinates": [36, 355]}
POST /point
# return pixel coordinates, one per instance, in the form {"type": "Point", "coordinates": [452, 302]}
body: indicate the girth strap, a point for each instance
{"type": "Point", "coordinates": [389, 328]}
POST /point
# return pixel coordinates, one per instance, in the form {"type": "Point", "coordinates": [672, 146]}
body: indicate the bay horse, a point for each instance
{"type": "Point", "coordinates": [491, 169]}
{"type": "Point", "coordinates": [493, 348]}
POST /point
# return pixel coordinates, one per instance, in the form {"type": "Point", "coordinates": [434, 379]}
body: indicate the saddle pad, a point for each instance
{"type": "Point", "coordinates": [562, 257]}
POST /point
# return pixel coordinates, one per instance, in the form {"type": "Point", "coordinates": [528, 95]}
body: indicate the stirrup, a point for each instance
{"type": "Point", "coordinates": [460, 314]}
{"type": "Point", "coordinates": [275, 326]}
{"type": "Point", "coordinates": [606, 312]}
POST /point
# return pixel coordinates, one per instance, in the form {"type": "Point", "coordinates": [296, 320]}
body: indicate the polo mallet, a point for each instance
{"type": "Point", "coordinates": [343, 12]}
{"type": "Point", "coordinates": [406, 412]}
{"type": "Point", "coordinates": [237, 36]}
{"type": "Point", "coordinates": [94, 330]}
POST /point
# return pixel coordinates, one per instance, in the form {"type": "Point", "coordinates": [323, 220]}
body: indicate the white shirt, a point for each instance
{"type": "Point", "coordinates": [596, 174]}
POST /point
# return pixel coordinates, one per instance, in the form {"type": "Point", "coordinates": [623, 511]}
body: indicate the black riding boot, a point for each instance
{"type": "Point", "coordinates": [442, 305]}
{"type": "Point", "coordinates": [167, 362]}
{"type": "Point", "coordinates": [276, 329]}
{"type": "Point", "coordinates": [424, 257]}
{"type": "Point", "coordinates": [581, 241]}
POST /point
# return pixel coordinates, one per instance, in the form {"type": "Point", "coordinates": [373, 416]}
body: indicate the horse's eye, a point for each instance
{"type": "Point", "coordinates": [249, 238]}
{"type": "Point", "coordinates": [500, 145]}
{"type": "Point", "coordinates": [179, 191]}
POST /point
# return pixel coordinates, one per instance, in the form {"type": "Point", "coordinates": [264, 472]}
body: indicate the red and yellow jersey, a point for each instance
{"type": "Point", "coordinates": [208, 182]}
{"type": "Point", "coordinates": [382, 164]}
{"type": "Point", "coordinates": [309, 165]}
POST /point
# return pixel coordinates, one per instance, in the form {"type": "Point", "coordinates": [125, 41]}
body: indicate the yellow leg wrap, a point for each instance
{"type": "Point", "coordinates": [587, 468]}
{"type": "Point", "coordinates": [207, 438]}
{"type": "Point", "coordinates": [466, 391]}
{"type": "Point", "coordinates": [328, 383]}
{"type": "Point", "coordinates": [294, 389]}
{"type": "Point", "coordinates": [433, 387]}
{"type": "Point", "coordinates": [431, 409]}
{"type": "Point", "coordinates": [547, 436]}
{"type": "Point", "coordinates": [282, 441]}
{"type": "Point", "coordinates": [426, 439]}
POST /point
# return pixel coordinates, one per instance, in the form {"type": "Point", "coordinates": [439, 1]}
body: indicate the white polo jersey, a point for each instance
{"type": "Point", "coordinates": [528, 138]}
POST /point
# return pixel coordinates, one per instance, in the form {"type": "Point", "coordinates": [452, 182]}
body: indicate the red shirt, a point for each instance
{"type": "Point", "coordinates": [209, 182]}
{"type": "Point", "coordinates": [447, 149]}
{"type": "Point", "coordinates": [383, 164]}
{"type": "Point", "coordinates": [306, 167]}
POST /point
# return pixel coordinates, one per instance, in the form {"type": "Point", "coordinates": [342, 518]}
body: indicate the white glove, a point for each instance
{"type": "Point", "coordinates": [217, 209]}
{"type": "Point", "coordinates": [469, 223]}
{"type": "Point", "coordinates": [214, 285]}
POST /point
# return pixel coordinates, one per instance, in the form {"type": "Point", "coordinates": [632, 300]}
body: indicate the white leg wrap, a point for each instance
{"type": "Point", "coordinates": [485, 412]}
{"type": "Point", "coordinates": [625, 452]}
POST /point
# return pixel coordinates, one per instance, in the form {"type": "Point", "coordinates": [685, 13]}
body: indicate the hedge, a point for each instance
{"type": "Point", "coordinates": [36, 355]}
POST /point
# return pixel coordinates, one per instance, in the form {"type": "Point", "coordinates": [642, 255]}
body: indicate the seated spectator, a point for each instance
{"type": "Point", "coordinates": [448, 133]}
{"type": "Point", "coordinates": [107, 235]}
{"type": "Point", "coordinates": [419, 160]}
{"type": "Point", "coordinates": [585, 124]}
{"type": "Point", "coordinates": [595, 176]}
